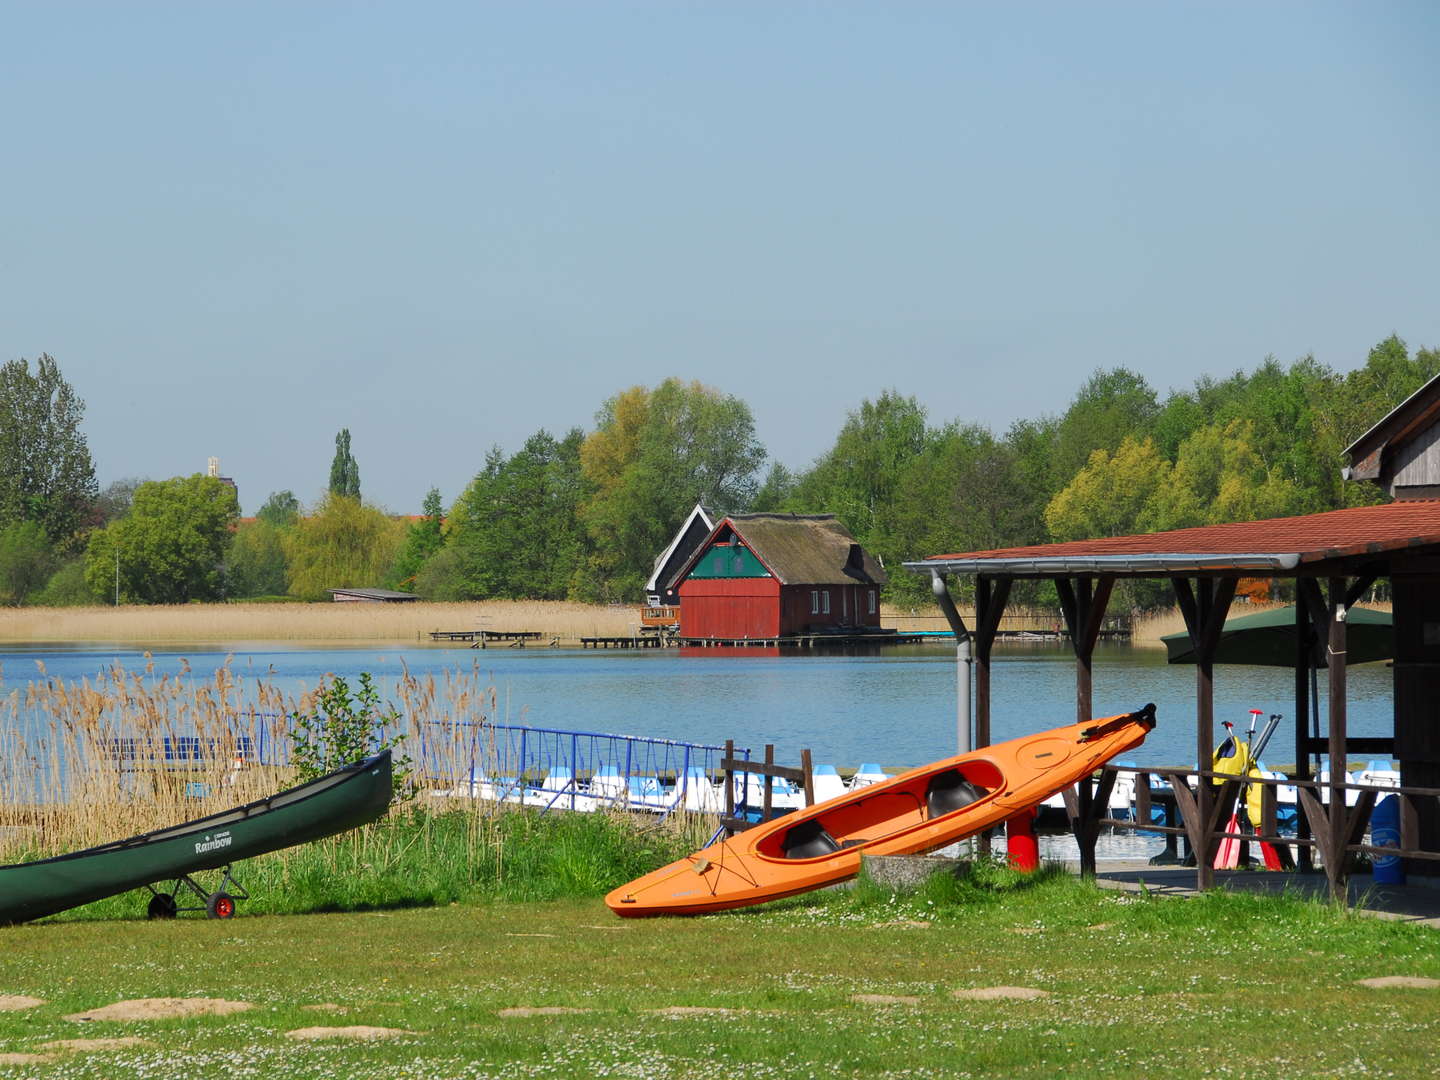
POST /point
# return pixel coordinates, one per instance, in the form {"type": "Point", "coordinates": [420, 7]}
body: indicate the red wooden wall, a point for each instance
{"type": "Point", "coordinates": [730, 608]}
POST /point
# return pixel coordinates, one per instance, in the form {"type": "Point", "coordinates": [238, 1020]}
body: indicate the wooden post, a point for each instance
{"type": "Point", "coordinates": [768, 795]}
{"type": "Point", "coordinates": [1304, 658]}
{"type": "Point", "coordinates": [809, 780]}
{"type": "Point", "coordinates": [1083, 602]}
{"type": "Point", "coordinates": [1335, 658]}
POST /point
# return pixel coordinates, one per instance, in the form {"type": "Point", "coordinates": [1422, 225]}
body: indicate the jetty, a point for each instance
{"type": "Point", "coordinates": [480, 639]}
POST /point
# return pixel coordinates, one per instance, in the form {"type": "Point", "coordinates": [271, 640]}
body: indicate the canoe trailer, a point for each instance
{"type": "Point", "coordinates": [219, 904]}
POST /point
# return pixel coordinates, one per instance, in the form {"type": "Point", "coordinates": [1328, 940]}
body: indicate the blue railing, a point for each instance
{"type": "Point", "coordinates": [554, 767]}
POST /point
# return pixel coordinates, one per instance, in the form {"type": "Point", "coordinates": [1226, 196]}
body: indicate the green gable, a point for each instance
{"type": "Point", "coordinates": [723, 560]}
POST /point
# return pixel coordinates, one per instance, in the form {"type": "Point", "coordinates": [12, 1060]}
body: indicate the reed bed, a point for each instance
{"type": "Point", "coordinates": [183, 623]}
{"type": "Point", "coordinates": [94, 761]}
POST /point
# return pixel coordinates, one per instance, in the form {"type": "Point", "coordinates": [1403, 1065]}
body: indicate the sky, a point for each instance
{"type": "Point", "coordinates": [239, 228]}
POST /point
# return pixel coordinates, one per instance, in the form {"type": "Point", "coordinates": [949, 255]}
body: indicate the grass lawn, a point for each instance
{"type": "Point", "coordinates": [1225, 985]}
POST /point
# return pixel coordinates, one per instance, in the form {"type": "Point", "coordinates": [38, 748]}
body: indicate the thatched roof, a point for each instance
{"type": "Point", "coordinates": [798, 550]}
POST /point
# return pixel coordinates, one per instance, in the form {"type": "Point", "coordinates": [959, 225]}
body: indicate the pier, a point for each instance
{"type": "Point", "coordinates": [481, 639]}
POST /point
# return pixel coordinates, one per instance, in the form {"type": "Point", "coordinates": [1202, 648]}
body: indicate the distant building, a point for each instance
{"type": "Point", "coordinates": [770, 576]}
{"type": "Point", "coordinates": [212, 468]}
{"type": "Point", "coordinates": [371, 596]}
{"type": "Point", "coordinates": [686, 541]}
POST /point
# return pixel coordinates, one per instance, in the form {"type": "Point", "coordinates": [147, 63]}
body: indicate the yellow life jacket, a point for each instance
{"type": "Point", "coordinates": [1239, 763]}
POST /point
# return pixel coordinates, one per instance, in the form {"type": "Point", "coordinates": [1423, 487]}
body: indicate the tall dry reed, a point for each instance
{"type": "Point", "coordinates": [95, 760]}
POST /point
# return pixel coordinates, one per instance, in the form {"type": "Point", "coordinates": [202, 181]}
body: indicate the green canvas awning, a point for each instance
{"type": "Point", "coordinates": [1268, 638]}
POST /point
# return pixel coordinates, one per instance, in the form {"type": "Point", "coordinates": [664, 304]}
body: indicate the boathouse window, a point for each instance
{"type": "Point", "coordinates": [814, 601]}
{"type": "Point", "coordinates": [825, 601]}
{"type": "Point", "coordinates": [872, 601]}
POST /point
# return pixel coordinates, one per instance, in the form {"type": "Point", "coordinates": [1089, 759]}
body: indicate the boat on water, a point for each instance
{"type": "Point", "coordinates": [913, 812]}
{"type": "Point", "coordinates": [341, 800]}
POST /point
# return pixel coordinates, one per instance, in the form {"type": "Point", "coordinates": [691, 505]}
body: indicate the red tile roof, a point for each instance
{"type": "Point", "coordinates": [1312, 537]}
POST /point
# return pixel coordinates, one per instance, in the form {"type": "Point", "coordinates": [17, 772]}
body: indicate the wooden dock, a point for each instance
{"type": "Point", "coordinates": [480, 639]}
{"type": "Point", "coordinates": [632, 641]}
{"type": "Point", "coordinates": [804, 641]}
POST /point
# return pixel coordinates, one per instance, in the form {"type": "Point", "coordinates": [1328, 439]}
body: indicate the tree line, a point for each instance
{"type": "Point", "coordinates": [584, 514]}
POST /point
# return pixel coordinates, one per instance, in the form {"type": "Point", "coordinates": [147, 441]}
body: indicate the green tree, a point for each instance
{"type": "Point", "coordinates": [423, 539]}
{"type": "Point", "coordinates": [281, 509]}
{"type": "Point", "coordinates": [963, 492]}
{"type": "Point", "coordinates": [1110, 407]}
{"type": "Point", "coordinates": [516, 528]}
{"type": "Point", "coordinates": [1220, 477]}
{"type": "Point", "coordinates": [255, 565]}
{"type": "Point", "coordinates": [653, 456]}
{"type": "Point", "coordinates": [170, 548]}
{"type": "Point", "coordinates": [342, 543]}
{"type": "Point", "coordinates": [344, 470]}
{"type": "Point", "coordinates": [67, 587]}
{"type": "Point", "coordinates": [27, 560]}
{"type": "Point", "coordinates": [858, 478]}
{"type": "Point", "coordinates": [46, 474]}
{"type": "Point", "coordinates": [1112, 495]}
{"type": "Point", "coordinates": [775, 491]}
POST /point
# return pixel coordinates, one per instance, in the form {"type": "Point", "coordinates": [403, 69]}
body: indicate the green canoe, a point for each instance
{"type": "Point", "coordinates": [348, 797]}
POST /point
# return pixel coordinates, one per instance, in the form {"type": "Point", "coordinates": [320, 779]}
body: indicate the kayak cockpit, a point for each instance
{"type": "Point", "coordinates": [888, 809]}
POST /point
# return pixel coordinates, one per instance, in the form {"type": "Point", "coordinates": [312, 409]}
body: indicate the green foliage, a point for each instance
{"type": "Point", "coordinates": [26, 561]}
{"type": "Point", "coordinates": [341, 727]}
{"type": "Point", "coordinates": [169, 549]}
{"type": "Point", "coordinates": [1110, 407]}
{"type": "Point", "coordinates": [46, 474]}
{"type": "Point", "coordinates": [423, 539]}
{"type": "Point", "coordinates": [858, 480]}
{"type": "Point", "coordinates": [775, 491]}
{"type": "Point", "coordinates": [255, 565]}
{"type": "Point", "coordinates": [281, 509]}
{"type": "Point", "coordinates": [653, 456]}
{"type": "Point", "coordinates": [344, 470]}
{"type": "Point", "coordinates": [67, 587]}
{"type": "Point", "coordinates": [516, 529]}
{"type": "Point", "coordinates": [342, 544]}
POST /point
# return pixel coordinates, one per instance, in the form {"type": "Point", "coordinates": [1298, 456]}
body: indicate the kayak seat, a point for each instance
{"type": "Point", "coordinates": [950, 791]}
{"type": "Point", "coordinates": [807, 840]}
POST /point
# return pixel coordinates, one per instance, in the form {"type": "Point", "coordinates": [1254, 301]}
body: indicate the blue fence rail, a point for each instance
{"type": "Point", "coordinates": [576, 770]}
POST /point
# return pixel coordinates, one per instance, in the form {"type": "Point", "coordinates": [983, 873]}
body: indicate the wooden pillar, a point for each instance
{"type": "Point", "coordinates": [1083, 602]}
{"type": "Point", "coordinates": [1335, 658]}
{"type": "Point", "coordinates": [990, 599]}
{"type": "Point", "coordinates": [1204, 607]}
{"type": "Point", "coordinates": [1304, 664]}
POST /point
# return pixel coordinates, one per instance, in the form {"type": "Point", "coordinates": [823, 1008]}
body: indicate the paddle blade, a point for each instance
{"type": "Point", "coordinates": [1227, 856]}
{"type": "Point", "coordinates": [1272, 857]}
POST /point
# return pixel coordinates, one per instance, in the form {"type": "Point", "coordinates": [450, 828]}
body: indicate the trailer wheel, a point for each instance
{"type": "Point", "coordinates": [162, 906]}
{"type": "Point", "coordinates": [220, 905]}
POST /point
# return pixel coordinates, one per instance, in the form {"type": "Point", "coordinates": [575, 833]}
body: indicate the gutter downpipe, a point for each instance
{"type": "Point", "coordinates": [964, 659]}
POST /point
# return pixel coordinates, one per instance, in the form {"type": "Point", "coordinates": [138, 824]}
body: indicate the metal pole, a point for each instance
{"type": "Point", "coordinates": [964, 657]}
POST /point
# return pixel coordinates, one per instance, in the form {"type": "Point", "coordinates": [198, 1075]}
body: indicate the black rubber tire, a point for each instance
{"type": "Point", "coordinates": [162, 906]}
{"type": "Point", "coordinates": [220, 905]}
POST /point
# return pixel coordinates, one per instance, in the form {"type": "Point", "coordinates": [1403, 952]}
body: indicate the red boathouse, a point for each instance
{"type": "Point", "coordinates": [771, 576]}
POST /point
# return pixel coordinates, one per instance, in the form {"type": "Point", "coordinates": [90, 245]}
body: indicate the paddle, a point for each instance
{"type": "Point", "coordinates": [1227, 855]}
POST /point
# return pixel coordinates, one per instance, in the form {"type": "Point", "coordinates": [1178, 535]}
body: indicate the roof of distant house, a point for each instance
{"type": "Point", "coordinates": [387, 595]}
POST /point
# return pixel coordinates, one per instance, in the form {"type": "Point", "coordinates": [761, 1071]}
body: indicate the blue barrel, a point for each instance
{"type": "Point", "coordinates": [1385, 832]}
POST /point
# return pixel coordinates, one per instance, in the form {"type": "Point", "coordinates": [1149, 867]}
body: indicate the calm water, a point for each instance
{"type": "Point", "coordinates": [896, 708]}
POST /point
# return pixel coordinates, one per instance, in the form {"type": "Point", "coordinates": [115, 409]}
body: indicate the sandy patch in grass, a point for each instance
{"type": "Point", "coordinates": [884, 999]}
{"type": "Point", "coordinates": [692, 1010]}
{"type": "Point", "coordinates": [357, 1031]}
{"type": "Point", "coordinates": [27, 1059]}
{"type": "Point", "coordinates": [540, 1010]}
{"type": "Point", "coordinates": [325, 1006]}
{"type": "Point", "coordinates": [1001, 993]}
{"type": "Point", "coordinates": [96, 1044]}
{"type": "Point", "coordinates": [162, 1009]}
{"type": "Point", "coordinates": [1387, 982]}
{"type": "Point", "coordinates": [906, 924]}
{"type": "Point", "coordinates": [16, 1002]}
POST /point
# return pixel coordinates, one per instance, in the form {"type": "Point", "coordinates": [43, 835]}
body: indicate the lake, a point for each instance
{"type": "Point", "coordinates": [895, 707]}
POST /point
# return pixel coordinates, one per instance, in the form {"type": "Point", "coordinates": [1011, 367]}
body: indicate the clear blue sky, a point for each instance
{"type": "Point", "coordinates": [241, 227]}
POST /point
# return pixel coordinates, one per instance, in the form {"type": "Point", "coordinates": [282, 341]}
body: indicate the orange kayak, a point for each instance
{"type": "Point", "coordinates": [916, 811]}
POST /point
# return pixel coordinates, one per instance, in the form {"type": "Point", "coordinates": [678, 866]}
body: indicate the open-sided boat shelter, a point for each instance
{"type": "Point", "coordinates": [1334, 558]}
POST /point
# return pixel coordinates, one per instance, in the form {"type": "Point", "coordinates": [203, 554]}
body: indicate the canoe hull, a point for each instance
{"type": "Point", "coordinates": [914, 812]}
{"type": "Point", "coordinates": [334, 803]}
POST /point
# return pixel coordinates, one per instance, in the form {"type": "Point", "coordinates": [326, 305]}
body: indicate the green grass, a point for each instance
{"type": "Point", "coordinates": [420, 858]}
{"type": "Point", "coordinates": [1223, 985]}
